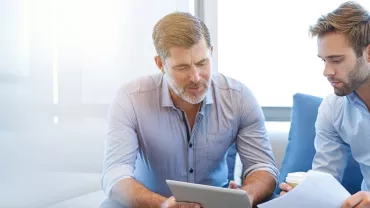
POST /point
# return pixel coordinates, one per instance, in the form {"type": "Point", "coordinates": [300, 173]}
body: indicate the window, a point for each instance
{"type": "Point", "coordinates": [265, 44]}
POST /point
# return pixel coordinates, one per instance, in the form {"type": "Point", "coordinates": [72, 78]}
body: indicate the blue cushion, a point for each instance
{"type": "Point", "coordinates": [300, 149]}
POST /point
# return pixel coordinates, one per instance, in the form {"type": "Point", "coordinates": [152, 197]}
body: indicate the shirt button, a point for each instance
{"type": "Point", "coordinates": [190, 145]}
{"type": "Point", "coordinates": [191, 170]}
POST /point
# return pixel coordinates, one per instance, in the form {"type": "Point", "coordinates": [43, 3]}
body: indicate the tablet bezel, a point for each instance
{"type": "Point", "coordinates": [206, 195]}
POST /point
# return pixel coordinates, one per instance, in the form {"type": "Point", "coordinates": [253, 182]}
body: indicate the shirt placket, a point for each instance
{"type": "Point", "coordinates": [191, 145]}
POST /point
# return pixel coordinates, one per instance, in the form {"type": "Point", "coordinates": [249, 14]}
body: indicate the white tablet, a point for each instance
{"type": "Point", "coordinates": [209, 196]}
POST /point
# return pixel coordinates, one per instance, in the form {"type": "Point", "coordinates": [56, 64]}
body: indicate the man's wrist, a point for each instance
{"type": "Point", "coordinates": [164, 203]}
{"type": "Point", "coordinates": [249, 193]}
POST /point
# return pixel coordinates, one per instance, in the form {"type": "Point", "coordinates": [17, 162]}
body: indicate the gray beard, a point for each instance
{"type": "Point", "coordinates": [181, 92]}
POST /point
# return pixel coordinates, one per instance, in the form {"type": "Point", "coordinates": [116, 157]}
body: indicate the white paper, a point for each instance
{"type": "Point", "coordinates": [319, 190]}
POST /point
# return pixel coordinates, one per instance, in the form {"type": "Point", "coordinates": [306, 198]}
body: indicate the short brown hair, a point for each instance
{"type": "Point", "coordinates": [178, 29]}
{"type": "Point", "coordinates": [351, 19]}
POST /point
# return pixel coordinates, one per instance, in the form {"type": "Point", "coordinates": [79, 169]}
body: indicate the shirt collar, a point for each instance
{"type": "Point", "coordinates": [356, 101]}
{"type": "Point", "coordinates": [353, 97]}
{"type": "Point", "coordinates": [166, 97]}
{"type": "Point", "coordinates": [209, 95]}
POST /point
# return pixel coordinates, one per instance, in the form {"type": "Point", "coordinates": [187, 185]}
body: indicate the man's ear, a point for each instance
{"type": "Point", "coordinates": [159, 63]}
{"type": "Point", "coordinates": [368, 53]}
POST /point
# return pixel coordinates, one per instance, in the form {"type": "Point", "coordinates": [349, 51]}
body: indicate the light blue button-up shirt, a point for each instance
{"type": "Point", "coordinates": [342, 127]}
{"type": "Point", "coordinates": [148, 135]}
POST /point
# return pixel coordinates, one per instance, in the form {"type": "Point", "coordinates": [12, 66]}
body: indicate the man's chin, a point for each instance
{"type": "Point", "coordinates": [193, 100]}
{"type": "Point", "coordinates": [341, 93]}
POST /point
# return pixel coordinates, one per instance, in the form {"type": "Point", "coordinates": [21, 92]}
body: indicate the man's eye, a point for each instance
{"type": "Point", "coordinates": [336, 61]}
{"type": "Point", "coordinates": [202, 64]}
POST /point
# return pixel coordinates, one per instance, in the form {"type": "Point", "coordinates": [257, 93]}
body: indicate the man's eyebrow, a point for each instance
{"type": "Point", "coordinates": [331, 56]}
{"type": "Point", "coordinates": [180, 65]}
{"type": "Point", "coordinates": [199, 62]}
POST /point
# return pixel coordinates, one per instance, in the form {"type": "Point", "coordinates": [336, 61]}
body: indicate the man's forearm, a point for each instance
{"type": "Point", "coordinates": [131, 193]}
{"type": "Point", "coordinates": [259, 185]}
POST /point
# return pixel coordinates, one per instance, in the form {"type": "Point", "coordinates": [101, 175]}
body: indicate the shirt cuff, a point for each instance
{"type": "Point", "coordinates": [115, 174]}
{"type": "Point", "coordinates": [261, 166]}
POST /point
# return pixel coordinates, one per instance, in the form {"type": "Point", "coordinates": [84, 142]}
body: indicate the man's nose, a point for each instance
{"type": "Point", "coordinates": [328, 71]}
{"type": "Point", "coordinates": [194, 74]}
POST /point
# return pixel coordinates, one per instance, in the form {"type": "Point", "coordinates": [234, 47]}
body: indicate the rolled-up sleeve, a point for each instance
{"type": "Point", "coordinates": [121, 144]}
{"type": "Point", "coordinates": [331, 152]}
{"type": "Point", "coordinates": [253, 144]}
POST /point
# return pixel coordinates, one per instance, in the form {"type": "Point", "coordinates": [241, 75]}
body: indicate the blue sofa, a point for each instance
{"type": "Point", "coordinates": [300, 149]}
